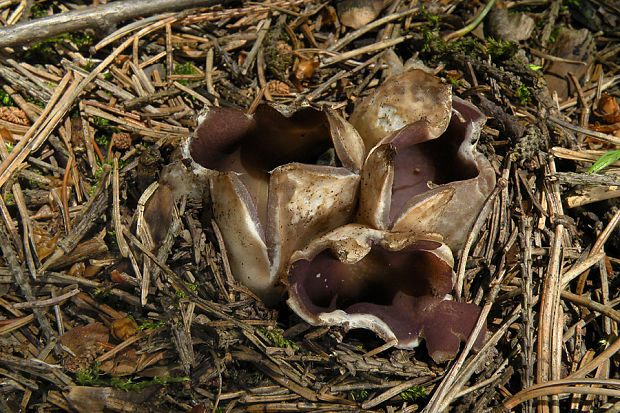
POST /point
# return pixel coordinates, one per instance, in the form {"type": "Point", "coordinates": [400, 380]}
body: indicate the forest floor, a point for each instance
{"type": "Point", "coordinates": [91, 320]}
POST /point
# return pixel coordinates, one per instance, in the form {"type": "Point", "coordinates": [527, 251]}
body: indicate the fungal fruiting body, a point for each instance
{"type": "Point", "coordinates": [396, 284]}
{"type": "Point", "coordinates": [269, 195]}
{"type": "Point", "coordinates": [422, 172]}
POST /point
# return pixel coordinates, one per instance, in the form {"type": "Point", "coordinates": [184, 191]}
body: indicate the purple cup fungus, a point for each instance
{"type": "Point", "coordinates": [396, 284]}
{"type": "Point", "coordinates": [269, 195]}
{"type": "Point", "coordinates": [422, 172]}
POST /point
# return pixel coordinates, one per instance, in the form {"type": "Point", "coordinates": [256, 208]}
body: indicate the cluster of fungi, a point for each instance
{"type": "Point", "coordinates": [354, 221]}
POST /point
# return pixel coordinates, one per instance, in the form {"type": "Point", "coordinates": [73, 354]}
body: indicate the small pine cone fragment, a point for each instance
{"type": "Point", "coordinates": [121, 140]}
{"type": "Point", "coordinates": [14, 115]}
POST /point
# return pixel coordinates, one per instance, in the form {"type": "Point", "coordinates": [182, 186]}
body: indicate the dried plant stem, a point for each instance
{"type": "Point", "coordinates": [549, 313]}
{"type": "Point", "coordinates": [363, 50]}
{"type": "Point", "coordinates": [369, 404]}
{"type": "Point", "coordinates": [446, 385]}
{"type": "Point", "coordinates": [105, 15]}
{"type": "Point", "coordinates": [605, 137]}
{"type": "Point", "coordinates": [592, 305]}
{"type": "Point", "coordinates": [579, 268]}
{"type": "Point", "coordinates": [471, 26]}
{"type": "Point", "coordinates": [568, 385]}
{"type": "Point", "coordinates": [22, 281]}
{"type": "Point", "coordinates": [468, 370]}
{"type": "Point", "coordinates": [92, 211]}
{"type": "Point", "coordinates": [473, 234]}
{"type": "Point", "coordinates": [48, 302]}
{"type": "Point", "coordinates": [349, 37]}
{"type": "Point", "coordinates": [602, 238]}
{"type": "Point", "coordinates": [9, 165]}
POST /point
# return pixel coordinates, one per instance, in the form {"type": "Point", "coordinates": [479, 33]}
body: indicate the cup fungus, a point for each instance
{"type": "Point", "coordinates": [423, 172]}
{"type": "Point", "coordinates": [393, 283]}
{"type": "Point", "coordinates": [270, 196]}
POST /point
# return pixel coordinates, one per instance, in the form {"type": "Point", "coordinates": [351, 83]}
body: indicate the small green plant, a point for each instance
{"type": "Point", "coordinates": [191, 286]}
{"type": "Point", "coordinates": [102, 293]}
{"type": "Point", "coordinates": [275, 336]}
{"type": "Point", "coordinates": [456, 82]}
{"type": "Point", "coordinates": [256, 378]}
{"type": "Point", "coordinates": [359, 395]}
{"type": "Point", "coordinates": [186, 68]}
{"type": "Point", "coordinates": [413, 393]}
{"type": "Point", "coordinates": [554, 35]}
{"type": "Point", "coordinates": [535, 68]}
{"type": "Point", "coordinates": [36, 11]}
{"type": "Point", "coordinates": [6, 99]}
{"type": "Point", "coordinates": [88, 376]}
{"type": "Point", "coordinates": [150, 325]}
{"type": "Point", "coordinates": [8, 198]}
{"type": "Point", "coordinates": [93, 377]}
{"type": "Point", "coordinates": [432, 19]}
{"type": "Point", "coordinates": [570, 3]}
{"type": "Point", "coordinates": [604, 161]}
{"type": "Point", "coordinates": [524, 94]}
{"type": "Point", "coordinates": [45, 48]}
{"type": "Point", "coordinates": [102, 139]}
{"type": "Point", "coordinates": [100, 122]}
{"type": "Point", "coordinates": [501, 48]}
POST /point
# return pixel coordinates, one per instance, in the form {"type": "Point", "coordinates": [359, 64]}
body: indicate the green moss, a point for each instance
{"type": "Point", "coordinates": [279, 64]}
{"type": "Point", "coordinates": [432, 19]}
{"type": "Point", "coordinates": [524, 94]}
{"type": "Point", "coordinates": [45, 48]}
{"type": "Point", "coordinates": [413, 393]}
{"type": "Point", "coordinates": [88, 376]}
{"type": "Point", "coordinates": [37, 11]}
{"type": "Point", "coordinates": [186, 68]}
{"type": "Point", "coordinates": [6, 99]}
{"type": "Point", "coordinates": [191, 286]}
{"type": "Point", "coordinates": [275, 336]}
{"type": "Point", "coordinates": [501, 49]}
{"type": "Point", "coordinates": [436, 48]}
{"type": "Point", "coordinates": [93, 377]}
{"type": "Point", "coordinates": [150, 325]}
{"type": "Point", "coordinates": [554, 35]}
{"type": "Point", "coordinates": [102, 139]}
{"type": "Point", "coordinates": [359, 395]}
{"type": "Point", "coordinates": [100, 122]}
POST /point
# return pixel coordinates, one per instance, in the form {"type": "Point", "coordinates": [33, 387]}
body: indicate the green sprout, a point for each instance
{"type": "Point", "coordinates": [604, 161]}
{"type": "Point", "coordinates": [456, 82]}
